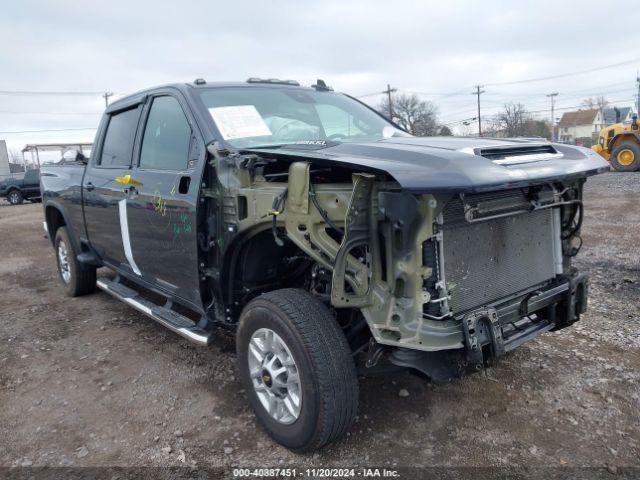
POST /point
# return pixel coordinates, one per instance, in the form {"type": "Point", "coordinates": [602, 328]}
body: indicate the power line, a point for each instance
{"type": "Point", "coordinates": [518, 82]}
{"type": "Point", "coordinates": [563, 75]}
{"type": "Point", "coordinates": [369, 94]}
{"type": "Point", "coordinates": [50, 130]}
{"type": "Point", "coordinates": [612, 102]}
{"type": "Point", "coordinates": [10, 112]}
{"type": "Point", "coordinates": [33, 92]}
{"type": "Point", "coordinates": [547, 110]}
{"type": "Point", "coordinates": [442, 95]}
{"type": "Point", "coordinates": [595, 89]}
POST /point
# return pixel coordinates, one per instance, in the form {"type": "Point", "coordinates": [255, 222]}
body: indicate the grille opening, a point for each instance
{"type": "Point", "coordinates": [492, 259]}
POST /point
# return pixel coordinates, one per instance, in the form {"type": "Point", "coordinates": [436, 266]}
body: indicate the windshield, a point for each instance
{"type": "Point", "coordinates": [268, 116]}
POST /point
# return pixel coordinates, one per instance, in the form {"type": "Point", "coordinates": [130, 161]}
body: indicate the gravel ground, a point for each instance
{"type": "Point", "coordinates": [90, 382]}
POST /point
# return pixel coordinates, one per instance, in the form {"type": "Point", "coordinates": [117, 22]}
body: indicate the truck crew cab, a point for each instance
{"type": "Point", "coordinates": [329, 239]}
{"type": "Point", "coordinates": [17, 190]}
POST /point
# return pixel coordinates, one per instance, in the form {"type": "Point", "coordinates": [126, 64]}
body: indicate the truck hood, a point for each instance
{"type": "Point", "coordinates": [454, 164]}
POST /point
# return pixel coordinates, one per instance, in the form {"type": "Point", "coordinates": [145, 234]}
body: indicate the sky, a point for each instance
{"type": "Point", "coordinates": [439, 50]}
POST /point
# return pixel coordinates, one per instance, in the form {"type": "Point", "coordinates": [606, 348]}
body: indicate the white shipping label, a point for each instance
{"type": "Point", "coordinates": [240, 121]}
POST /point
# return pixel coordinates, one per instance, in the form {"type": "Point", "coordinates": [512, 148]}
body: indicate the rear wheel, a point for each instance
{"type": "Point", "coordinates": [15, 197]}
{"type": "Point", "coordinates": [297, 369]}
{"type": "Point", "coordinates": [78, 279]}
{"type": "Point", "coordinates": [626, 157]}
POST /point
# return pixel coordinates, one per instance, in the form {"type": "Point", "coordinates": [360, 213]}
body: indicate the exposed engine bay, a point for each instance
{"type": "Point", "coordinates": [469, 274]}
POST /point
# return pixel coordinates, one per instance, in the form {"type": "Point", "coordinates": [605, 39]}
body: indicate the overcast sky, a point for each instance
{"type": "Point", "coordinates": [434, 48]}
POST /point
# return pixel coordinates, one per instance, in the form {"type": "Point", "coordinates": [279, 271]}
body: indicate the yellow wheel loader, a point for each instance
{"type": "Point", "coordinates": [620, 145]}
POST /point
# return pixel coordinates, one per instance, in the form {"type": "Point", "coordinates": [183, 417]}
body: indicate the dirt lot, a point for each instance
{"type": "Point", "coordinates": [89, 382]}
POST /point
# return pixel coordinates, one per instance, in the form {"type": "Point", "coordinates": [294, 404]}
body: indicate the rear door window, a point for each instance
{"type": "Point", "coordinates": [32, 176]}
{"type": "Point", "coordinates": [118, 142]}
{"type": "Point", "coordinates": [167, 135]}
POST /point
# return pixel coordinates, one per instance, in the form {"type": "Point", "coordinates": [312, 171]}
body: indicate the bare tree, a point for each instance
{"type": "Point", "coordinates": [537, 128]}
{"type": "Point", "coordinates": [512, 119]}
{"type": "Point", "coordinates": [15, 156]}
{"type": "Point", "coordinates": [416, 116]}
{"type": "Point", "coordinates": [516, 121]}
{"type": "Point", "coordinates": [599, 102]}
{"type": "Point", "coordinates": [444, 131]}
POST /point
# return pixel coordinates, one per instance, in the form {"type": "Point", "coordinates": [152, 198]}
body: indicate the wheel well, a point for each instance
{"type": "Point", "coordinates": [624, 137]}
{"type": "Point", "coordinates": [258, 265]}
{"type": "Point", "coordinates": [54, 220]}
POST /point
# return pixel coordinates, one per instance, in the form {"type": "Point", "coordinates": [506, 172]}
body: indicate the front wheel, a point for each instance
{"type": "Point", "coordinates": [15, 197]}
{"type": "Point", "coordinates": [626, 157]}
{"type": "Point", "coordinates": [297, 369]}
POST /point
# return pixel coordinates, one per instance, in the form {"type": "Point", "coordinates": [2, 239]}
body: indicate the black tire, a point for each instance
{"type": "Point", "coordinates": [326, 369]}
{"type": "Point", "coordinates": [14, 197]}
{"type": "Point", "coordinates": [81, 279]}
{"type": "Point", "coordinates": [625, 166]}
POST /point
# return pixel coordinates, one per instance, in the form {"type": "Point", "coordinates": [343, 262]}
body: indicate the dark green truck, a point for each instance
{"type": "Point", "coordinates": [17, 190]}
{"type": "Point", "coordinates": [329, 240]}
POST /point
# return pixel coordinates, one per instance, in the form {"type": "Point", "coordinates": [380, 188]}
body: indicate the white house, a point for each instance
{"type": "Point", "coordinates": [613, 115]}
{"type": "Point", "coordinates": [583, 126]}
{"type": "Point", "coordinates": [578, 127]}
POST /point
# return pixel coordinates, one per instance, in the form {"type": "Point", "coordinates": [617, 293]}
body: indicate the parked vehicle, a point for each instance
{"type": "Point", "coordinates": [330, 240]}
{"type": "Point", "coordinates": [17, 190]}
{"type": "Point", "coordinates": [620, 144]}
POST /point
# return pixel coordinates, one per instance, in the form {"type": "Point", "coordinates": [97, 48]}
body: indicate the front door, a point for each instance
{"type": "Point", "coordinates": [163, 198]}
{"type": "Point", "coordinates": [104, 193]}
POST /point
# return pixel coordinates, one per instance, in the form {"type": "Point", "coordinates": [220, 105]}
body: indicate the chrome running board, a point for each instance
{"type": "Point", "coordinates": [166, 317]}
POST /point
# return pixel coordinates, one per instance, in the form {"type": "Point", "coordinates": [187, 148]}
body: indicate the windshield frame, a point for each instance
{"type": "Point", "coordinates": [211, 124]}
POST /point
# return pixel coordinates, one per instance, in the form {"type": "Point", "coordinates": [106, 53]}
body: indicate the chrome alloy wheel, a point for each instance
{"type": "Point", "coordinates": [274, 376]}
{"type": "Point", "coordinates": [63, 260]}
{"type": "Point", "coordinates": [14, 198]}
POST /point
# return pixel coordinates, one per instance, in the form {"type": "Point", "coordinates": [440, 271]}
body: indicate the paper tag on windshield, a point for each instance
{"type": "Point", "coordinates": [240, 121]}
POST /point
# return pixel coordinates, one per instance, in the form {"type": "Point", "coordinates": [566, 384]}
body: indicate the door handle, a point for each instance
{"type": "Point", "coordinates": [89, 187]}
{"type": "Point", "coordinates": [131, 191]}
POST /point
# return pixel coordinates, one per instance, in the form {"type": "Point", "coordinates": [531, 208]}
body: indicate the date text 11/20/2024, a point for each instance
{"type": "Point", "coordinates": [315, 473]}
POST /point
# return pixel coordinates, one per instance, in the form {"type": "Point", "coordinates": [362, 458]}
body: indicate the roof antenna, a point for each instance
{"type": "Point", "coordinates": [321, 86]}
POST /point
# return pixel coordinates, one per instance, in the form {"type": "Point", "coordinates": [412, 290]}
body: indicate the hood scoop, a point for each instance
{"type": "Point", "coordinates": [517, 154]}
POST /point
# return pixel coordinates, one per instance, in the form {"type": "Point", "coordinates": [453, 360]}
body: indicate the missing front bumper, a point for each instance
{"type": "Point", "coordinates": [491, 332]}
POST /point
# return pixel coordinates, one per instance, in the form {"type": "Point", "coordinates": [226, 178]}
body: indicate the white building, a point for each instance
{"type": "Point", "coordinates": [578, 127]}
{"type": "Point", "coordinates": [4, 160]}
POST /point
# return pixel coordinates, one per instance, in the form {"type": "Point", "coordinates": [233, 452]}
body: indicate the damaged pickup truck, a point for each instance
{"type": "Point", "coordinates": [333, 243]}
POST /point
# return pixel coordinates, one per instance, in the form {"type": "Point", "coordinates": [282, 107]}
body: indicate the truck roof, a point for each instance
{"type": "Point", "coordinates": [186, 87]}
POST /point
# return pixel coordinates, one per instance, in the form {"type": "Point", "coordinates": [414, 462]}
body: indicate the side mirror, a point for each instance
{"type": "Point", "coordinates": [634, 122]}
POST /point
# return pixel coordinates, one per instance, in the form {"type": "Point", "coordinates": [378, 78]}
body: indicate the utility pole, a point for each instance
{"type": "Point", "coordinates": [106, 98]}
{"type": "Point", "coordinates": [389, 91]}
{"type": "Point", "coordinates": [553, 118]}
{"type": "Point", "coordinates": [478, 92]}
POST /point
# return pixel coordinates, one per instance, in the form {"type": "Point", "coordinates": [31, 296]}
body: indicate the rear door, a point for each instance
{"type": "Point", "coordinates": [162, 222]}
{"type": "Point", "coordinates": [104, 193]}
{"type": "Point", "coordinates": [31, 183]}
